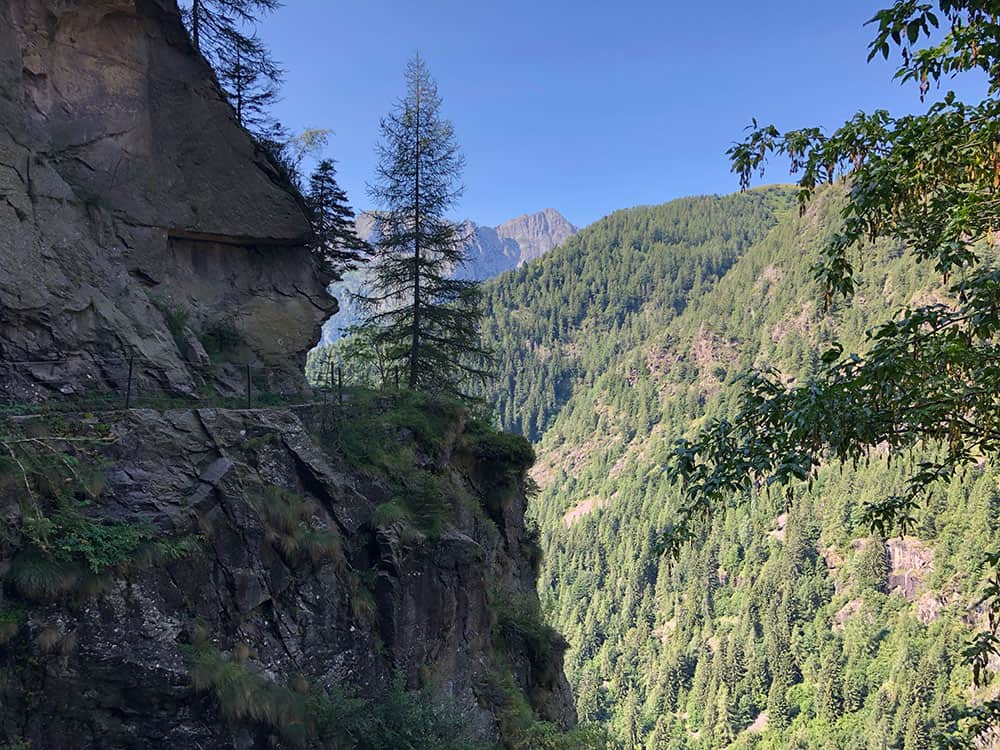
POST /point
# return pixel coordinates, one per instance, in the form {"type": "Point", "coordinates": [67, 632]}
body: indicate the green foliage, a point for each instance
{"type": "Point", "coordinates": [59, 548]}
{"type": "Point", "coordinates": [175, 316]}
{"type": "Point", "coordinates": [523, 731]}
{"type": "Point", "coordinates": [336, 247]}
{"type": "Point", "coordinates": [926, 380]}
{"type": "Point", "coordinates": [391, 512]}
{"type": "Point", "coordinates": [400, 437]}
{"type": "Point", "coordinates": [747, 616]}
{"type": "Point", "coordinates": [39, 577]}
{"type": "Point", "coordinates": [68, 535]}
{"type": "Point", "coordinates": [288, 521]}
{"type": "Point", "coordinates": [223, 32]}
{"type": "Point", "coordinates": [504, 454]}
{"type": "Point", "coordinates": [415, 312]}
{"type": "Point", "coordinates": [423, 719]}
{"type": "Point", "coordinates": [872, 566]}
{"type": "Point", "coordinates": [520, 626]}
{"type": "Point", "coordinates": [245, 696]}
{"type": "Point", "coordinates": [11, 619]}
{"type": "Point", "coordinates": [415, 720]}
{"type": "Point", "coordinates": [559, 322]}
{"type": "Point", "coordinates": [220, 336]}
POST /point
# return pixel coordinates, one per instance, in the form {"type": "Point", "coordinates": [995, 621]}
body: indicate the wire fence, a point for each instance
{"type": "Point", "coordinates": [85, 383]}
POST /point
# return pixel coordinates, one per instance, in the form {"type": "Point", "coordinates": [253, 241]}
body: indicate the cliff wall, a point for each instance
{"type": "Point", "coordinates": [129, 194]}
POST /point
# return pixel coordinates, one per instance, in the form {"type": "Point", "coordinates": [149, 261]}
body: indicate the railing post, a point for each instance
{"type": "Point", "coordinates": [128, 386]}
{"type": "Point", "coordinates": [249, 386]}
{"type": "Point", "coordinates": [340, 385]}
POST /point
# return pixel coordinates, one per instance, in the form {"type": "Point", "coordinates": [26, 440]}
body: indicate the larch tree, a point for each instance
{"type": "Point", "coordinates": [928, 385]}
{"type": "Point", "coordinates": [223, 31]}
{"type": "Point", "coordinates": [427, 321]}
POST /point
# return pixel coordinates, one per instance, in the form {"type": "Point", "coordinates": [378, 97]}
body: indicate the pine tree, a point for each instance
{"type": "Point", "coordinates": [778, 711]}
{"type": "Point", "coordinates": [428, 321]}
{"type": "Point", "coordinates": [872, 565]}
{"type": "Point", "coordinates": [829, 698]}
{"type": "Point", "coordinates": [337, 246]}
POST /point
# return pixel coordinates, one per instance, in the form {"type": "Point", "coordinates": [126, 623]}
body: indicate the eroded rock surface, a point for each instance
{"type": "Point", "coordinates": [127, 191]}
{"type": "Point", "coordinates": [388, 599]}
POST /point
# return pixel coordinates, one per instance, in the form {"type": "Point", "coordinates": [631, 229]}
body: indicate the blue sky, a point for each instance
{"type": "Point", "coordinates": [583, 106]}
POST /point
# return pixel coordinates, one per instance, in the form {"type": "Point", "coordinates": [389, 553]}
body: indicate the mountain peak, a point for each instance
{"type": "Point", "coordinates": [537, 233]}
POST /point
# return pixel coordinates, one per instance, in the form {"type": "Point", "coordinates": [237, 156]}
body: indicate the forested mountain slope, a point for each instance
{"type": "Point", "coordinates": [788, 624]}
{"type": "Point", "coordinates": [561, 320]}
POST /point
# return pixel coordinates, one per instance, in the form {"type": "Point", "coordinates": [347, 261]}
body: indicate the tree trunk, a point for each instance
{"type": "Point", "coordinates": [196, 24]}
{"type": "Point", "coordinates": [415, 336]}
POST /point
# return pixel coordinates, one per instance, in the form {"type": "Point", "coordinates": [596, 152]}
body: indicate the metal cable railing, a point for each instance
{"type": "Point", "coordinates": [85, 383]}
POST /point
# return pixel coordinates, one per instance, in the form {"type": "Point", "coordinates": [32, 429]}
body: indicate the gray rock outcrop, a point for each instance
{"type": "Point", "coordinates": [128, 193]}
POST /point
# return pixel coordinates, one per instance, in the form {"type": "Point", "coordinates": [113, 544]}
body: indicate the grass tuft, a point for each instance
{"type": "Point", "coordinates": [289, 525]}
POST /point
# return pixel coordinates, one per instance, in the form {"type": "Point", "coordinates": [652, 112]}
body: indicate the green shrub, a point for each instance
{"type": "Point", "coordinates": [221, 336]}
{"type": "Point", "coordinates": [506, 455]}
{"type": "Point", "coordinates": [519, 622]}
{"type": "Point", "coordinates": [10, 624]}
{"type": "Point", "coordinates": [101, 545]}
{"type": "Point", "coordinates": [175, 316]}
{"type": "Point", "coordinates": [245, 696]}
{"type": "Point", "coordinates": [426, 498]}
{"type": "Point", "coordinates": [391, 512]}
{"type": "Point", "coordinates": [415, 720]}
{"type": "Point", "coordinates": [522, 731]}
{"type": "Point", "coordinates": [363, 605]}
{"type": "Point", "coordinates": [429, 418]}
{"type": "Point", "coordinates": [422, 719]}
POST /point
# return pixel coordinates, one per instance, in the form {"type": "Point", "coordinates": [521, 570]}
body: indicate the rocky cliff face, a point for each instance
{"type": "Point", "coordinates": [130, 196]}
{"type": "Point", "coordinates": [298, 577]}
{"type": "Point", "coordinates": [536, 234]}
{"type": "Point", "coordinates": [493, 250]}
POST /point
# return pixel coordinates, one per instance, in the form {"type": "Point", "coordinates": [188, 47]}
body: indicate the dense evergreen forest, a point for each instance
{"type": "Point", "coordinates": [562, 322]}
{"type": "Point", "coordinates": [785, 625]}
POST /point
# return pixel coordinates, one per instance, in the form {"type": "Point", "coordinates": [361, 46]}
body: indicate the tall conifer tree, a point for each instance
{"type": "Point", "coordinates": [426, 320]}
{"type": "Point", "coordinates": [338, 248]}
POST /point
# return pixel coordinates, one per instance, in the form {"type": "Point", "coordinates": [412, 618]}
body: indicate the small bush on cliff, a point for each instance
{"type": "Point", "coordinates": [220, 336]}
{"type": "Point", "coordinates": [507, 455]}
{"type": "Point", "coordinates": [520, 728]}
{"type": "Point", "coordinates": [245, 696]}
{"type": "Point", "coordinates": [59, 548]}
{"type": "Point", "coordinates": [10, 624]}
{"type": "Point", "coordinates": [175, 317]}
{"type": "Point", "coordinates": [424, 719]}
